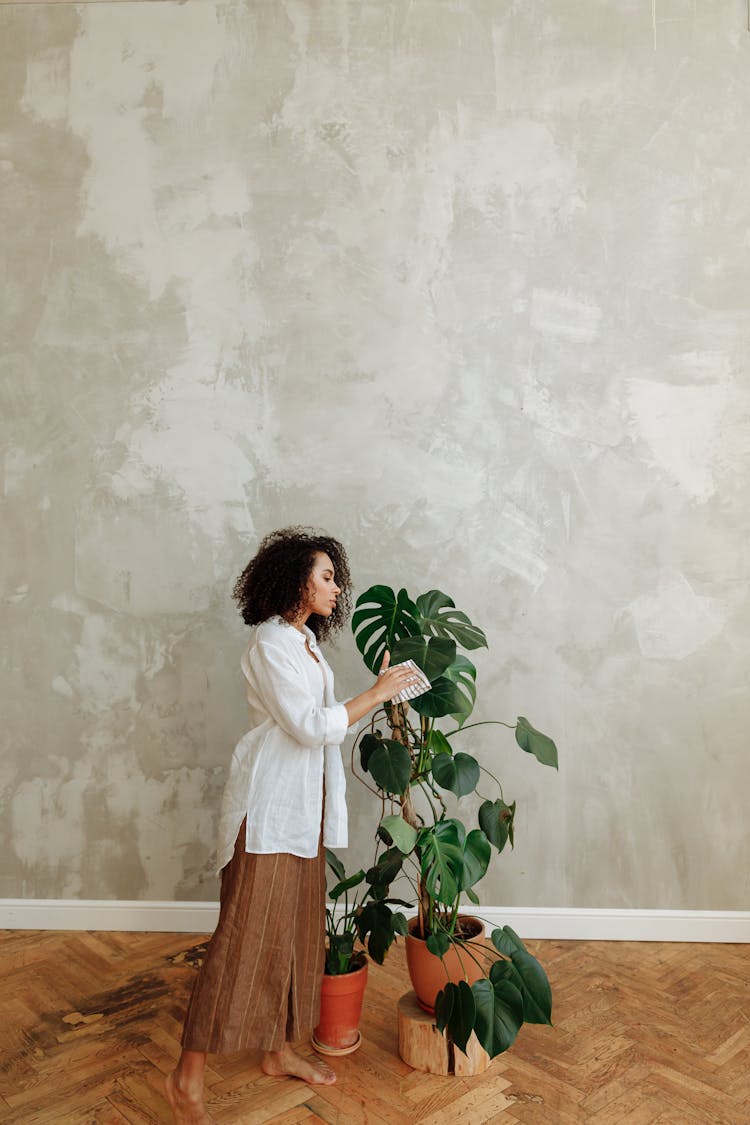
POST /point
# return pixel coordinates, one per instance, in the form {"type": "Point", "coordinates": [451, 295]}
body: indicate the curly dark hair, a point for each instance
{"type": "Point", "coordinates": [274, 580]}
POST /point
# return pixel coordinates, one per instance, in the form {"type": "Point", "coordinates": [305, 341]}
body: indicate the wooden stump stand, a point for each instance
{"type": "Point", "coordinates": [423, 1047]}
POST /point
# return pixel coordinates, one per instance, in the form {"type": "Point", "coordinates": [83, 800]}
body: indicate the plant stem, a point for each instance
{"type": "Point", "coordinates": [495, 779]}
{"type": "Point", "coordinates": [463, 947]}
{"type": "Point", "coordinates": [484, 723]}
{"type": "Point", "coordinates": [425, 789]}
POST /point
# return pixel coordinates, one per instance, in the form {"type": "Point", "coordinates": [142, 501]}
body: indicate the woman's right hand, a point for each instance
{"type": "Point", "coordinates": [392, 681]}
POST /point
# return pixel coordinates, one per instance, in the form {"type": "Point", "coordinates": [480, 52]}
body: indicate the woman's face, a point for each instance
{"type": "Point", "coordinates": [322, 591]}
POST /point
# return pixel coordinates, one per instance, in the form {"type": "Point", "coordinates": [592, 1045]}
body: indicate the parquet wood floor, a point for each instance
{"type": "Point", "coordinates": [644, 1033]}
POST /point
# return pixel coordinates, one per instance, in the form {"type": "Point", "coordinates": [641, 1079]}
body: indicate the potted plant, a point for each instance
{"type": "Point", "coordinates": [413, 768]}
{"type": "Point", "coordinates": [367, 916]}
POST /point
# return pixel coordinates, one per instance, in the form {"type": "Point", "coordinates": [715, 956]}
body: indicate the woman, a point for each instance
{"type": "Point", "coordinates": [259, 985]}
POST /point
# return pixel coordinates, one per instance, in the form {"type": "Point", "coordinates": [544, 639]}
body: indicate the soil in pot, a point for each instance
{"type": "Point", "coordinates": [429, 974]}
{"type": "Point", "coordinates": [341, 999]}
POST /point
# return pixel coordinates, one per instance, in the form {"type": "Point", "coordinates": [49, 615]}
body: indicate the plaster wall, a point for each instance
{"type": "Point", "coordinates": [464, 282]}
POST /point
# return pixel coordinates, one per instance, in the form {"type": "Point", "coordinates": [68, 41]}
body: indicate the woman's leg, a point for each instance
{"type": "Point", "coordinates": [184, 1088]}
{"type": "Point", "coordinates": [184, 1085]}
{"type": "Point", "coordinates": [307, 967]}
{"type": "Point", "coordinates": [253, 944]}
{"type": "Point", "coordinates": [287, 1062]}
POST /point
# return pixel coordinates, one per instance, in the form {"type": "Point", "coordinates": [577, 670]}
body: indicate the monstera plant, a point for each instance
{"type": "Point", "coordinates": [408, 758]}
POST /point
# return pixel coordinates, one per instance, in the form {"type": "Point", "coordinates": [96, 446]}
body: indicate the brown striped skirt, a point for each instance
{"type": "Point", "coordinates": [259, 984]}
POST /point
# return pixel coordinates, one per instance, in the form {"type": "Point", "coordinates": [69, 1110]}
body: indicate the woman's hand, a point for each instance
{"type": "Point", "coordinates": [392, 681]}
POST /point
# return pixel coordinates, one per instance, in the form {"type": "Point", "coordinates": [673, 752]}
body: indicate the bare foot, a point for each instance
{"type": "Point", "coordinates": [288, 1062]}
{"type": "Point", "coordinates": [187, 1105]}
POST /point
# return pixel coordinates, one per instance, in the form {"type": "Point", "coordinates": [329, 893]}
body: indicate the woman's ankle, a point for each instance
{"type": "Point", "coordinates": [189, 1071]}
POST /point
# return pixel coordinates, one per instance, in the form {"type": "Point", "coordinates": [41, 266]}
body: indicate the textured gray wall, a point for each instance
{"type": "Point", "coordinates": [464, 282]}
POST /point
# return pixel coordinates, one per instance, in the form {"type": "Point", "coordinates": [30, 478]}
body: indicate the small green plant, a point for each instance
{"type": "Point", "coordinates": [367, 916]}
{"type": "Point", "coordinates": [413, 767]}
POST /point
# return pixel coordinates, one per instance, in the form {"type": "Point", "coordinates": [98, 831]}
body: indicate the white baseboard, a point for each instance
{"type": "Point", "coordinates": [561, 923]}
{"type": "Point", "coordinates": [108, 914]}
{"type": "Point", "coordinates": [583, 924]}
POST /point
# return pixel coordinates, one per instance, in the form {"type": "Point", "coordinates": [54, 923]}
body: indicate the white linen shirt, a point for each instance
{"type": "Point", "coordinates": [277, 769]}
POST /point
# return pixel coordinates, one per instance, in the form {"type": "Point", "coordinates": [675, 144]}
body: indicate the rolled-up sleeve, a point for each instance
{"type": "Point", "coordinates": [290, 702]}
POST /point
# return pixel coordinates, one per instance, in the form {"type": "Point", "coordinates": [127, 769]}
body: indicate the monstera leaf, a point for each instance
{"type": "Point", "coordinates": [463, 675]}
{"type": "Point", "coordinates": [443, 698]}
{"type": "Point", "coordinates": [453, 693]}
{"type": "Point", "coordinates": [442, 848]}
{"type": "Point", "coordinates": [382, 617]}
{"type": "Point", "coordinates": [498, 1014]}
{"type": "Point", "coordinates": [440, 618]}
{"type": "Point", "coordinates": [526, 974]}
{"type": "Point", "coordinates": [493, 1008]}
{"type": "Point", "coordinates": [434, 655]}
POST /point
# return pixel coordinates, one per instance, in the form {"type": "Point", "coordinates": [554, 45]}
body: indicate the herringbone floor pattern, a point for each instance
{"type": "Point", "coordinates": [644, 1033]}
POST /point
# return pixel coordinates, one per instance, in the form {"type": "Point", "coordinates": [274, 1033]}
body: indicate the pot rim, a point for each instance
{"type": "Point", "coordinates": [414, 922]}
{"type": "Point", "coordinates": [356, 965]}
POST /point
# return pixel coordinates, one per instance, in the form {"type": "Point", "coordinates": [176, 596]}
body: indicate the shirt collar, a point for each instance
{"type": "Point", "coordinates": [306, 635]}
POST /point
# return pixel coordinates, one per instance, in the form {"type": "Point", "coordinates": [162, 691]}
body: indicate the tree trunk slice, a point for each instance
{"type": "Point", "coordinates": [423, 1047]}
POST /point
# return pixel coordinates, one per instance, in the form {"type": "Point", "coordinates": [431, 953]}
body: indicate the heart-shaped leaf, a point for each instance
{"type": "Point", "coordinates": [496, 821]}
{"type": "Point", "coordinates": [389, 765]}
{"type": "Point", "coordinates": [536, 743]}
{"type": "Point", "coordinates": [438, 943]}
{"type": "Point", "coordinates": [477, 853]}
{"type": "Point", "coordinates": [438, 743]}
{"type": "Point", "coordinates": [386, 869]}
{"type": "Point", "coordinates": [458, 773]}
{"type": "Point", "coordinates": [367, 746]}
{"type": "Point", "coordinates": [401, 834]}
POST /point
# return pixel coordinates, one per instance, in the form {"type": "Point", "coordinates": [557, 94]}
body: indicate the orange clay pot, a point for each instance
{"type": "Point", "coordinates": [429, 974]}
{"type": "Point", "coordinates": [341, 999]}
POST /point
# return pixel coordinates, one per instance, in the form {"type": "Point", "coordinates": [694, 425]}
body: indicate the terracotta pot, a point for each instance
{"type": "Point", "coordinates": [341, 999]}
{"type": "Point", "coordinates": [429, 974]}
